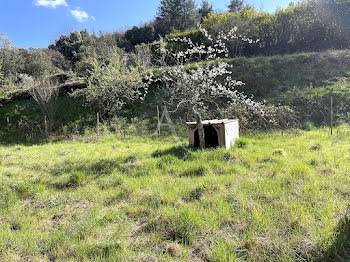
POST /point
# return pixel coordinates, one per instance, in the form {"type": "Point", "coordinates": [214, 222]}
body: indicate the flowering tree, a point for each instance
{"type": "Point", "coordinates": [198, 87]}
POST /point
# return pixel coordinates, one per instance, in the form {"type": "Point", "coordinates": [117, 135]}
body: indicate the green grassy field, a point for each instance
{"type": "Point", "coordinates": [272, 197]}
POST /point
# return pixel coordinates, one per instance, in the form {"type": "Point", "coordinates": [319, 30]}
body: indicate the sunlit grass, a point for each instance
{"type": "Point", "coordinates": [270, 198]}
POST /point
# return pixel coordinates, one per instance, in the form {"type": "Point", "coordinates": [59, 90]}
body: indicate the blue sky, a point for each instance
{"type": "Point", "coordinates": [37, 23]}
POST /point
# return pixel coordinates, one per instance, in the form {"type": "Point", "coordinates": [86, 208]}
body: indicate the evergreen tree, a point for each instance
{"type": "Point", "coordinates": [177, 15]}
{"type": "Point", "coordinates": [236, 5]}
{"type": "Point", "coordinates": [205, 9]}
{"type": "Point", "coordinates": [144, 34]}
{"type": "Point", "coordinates": [337, 11]}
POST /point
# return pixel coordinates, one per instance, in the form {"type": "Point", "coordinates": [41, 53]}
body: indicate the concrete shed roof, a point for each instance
{"type": "Point", "coordinates": [214, 122]}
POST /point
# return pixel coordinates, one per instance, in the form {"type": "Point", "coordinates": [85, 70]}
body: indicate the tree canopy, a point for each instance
{"type": "Point", "coordinates": [177, 15]}
{"type": "Point", "coordinates": [236, 5]}
{"type": "Point", "coordinates": [307, 26]}
{"type": "Point", "coordinates": [205, 9]}
{"type": "Point", "coordinates": [111, 83]}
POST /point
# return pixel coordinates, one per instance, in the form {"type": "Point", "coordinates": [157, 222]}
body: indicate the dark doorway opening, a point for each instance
{"type": "Point", "coordinates": [211, 137]}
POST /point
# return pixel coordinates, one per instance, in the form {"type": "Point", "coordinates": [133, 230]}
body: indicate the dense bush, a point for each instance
{"type": "Point", "coordinates": [281, 117]}
{"type": "Point", "coordinates": [111, 83]}
{"type": "Point", "coordinates": [313, 25]}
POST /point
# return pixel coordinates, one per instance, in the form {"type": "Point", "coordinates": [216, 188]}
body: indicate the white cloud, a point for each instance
{"type": "Point", "coordinates": [51, 3]}
{"type": "Point", "coordinates": [80, 15]}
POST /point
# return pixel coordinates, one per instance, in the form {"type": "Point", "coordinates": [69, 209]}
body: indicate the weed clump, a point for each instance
{"type": "Point", "coordinates": [23, 190]}
{"type": "Point", "coordinates": [185, 227]}
{"type": "Point", "coordinates": [299, 170]}
{"type": "Point", "coordinates": [103, 249]}
{"type": "Point", "coordinates": [280, 152]}
{"type": "Point", "coordinates": [313, 162]}
{"type": "Point", "coordinates": [166, 161]}
{"type": "Point", "coordinates": [196, 193]}
{"type": "Point", "coordinates": [130, 159]}
{"type": "Point", "coordinates": [174, 249]}
{"type": "Point", "coordinates": [179, 152]}
{"type": "Point", "coordinates": [228, 157]}
{"type": "Point", "coordinates": [316, 147]}
{"type": "Point", "coordinates": [14, 226]}
{"type": "Point", "coordinates": [195, 171]}
{"type": "Point", "coordinates": [153, 201]}
{"type": "Point", "coordinates": [110, 182]}
{"type": "Point", "coordinates": [103, 166]}
{"type": "Point", "coordinates": [78, 178]}
{"type": "Point", "coordinates": [242, 143]}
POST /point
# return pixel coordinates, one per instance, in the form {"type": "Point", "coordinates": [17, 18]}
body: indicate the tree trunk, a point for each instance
{"type": "Point", "coordinates": [46, 127]}
{"type": "Point", "coordinates": [200, 128]}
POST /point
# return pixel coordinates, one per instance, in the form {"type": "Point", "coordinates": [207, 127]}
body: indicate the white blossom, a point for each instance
{"type": "Point", "coordinates": [196, 87]}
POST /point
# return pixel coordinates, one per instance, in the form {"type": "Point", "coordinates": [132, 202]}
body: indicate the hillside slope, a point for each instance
{"type": "Point", "coordinates": [304, 81]}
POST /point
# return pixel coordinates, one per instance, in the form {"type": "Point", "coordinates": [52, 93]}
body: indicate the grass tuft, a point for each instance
{"type": "Point", "coordinates": [78, 178]}
{"type": "Point", "coordinates": [241, 143]}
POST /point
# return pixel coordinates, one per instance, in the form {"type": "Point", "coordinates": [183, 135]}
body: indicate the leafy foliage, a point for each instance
{"type": "Point", "coordinates": [111, 83]}
{"type": "Point", "coordinates": [144, 34]}
{"type": "Point", "coordinates": [38, 64]}
{"type": "Point", "coordinates": [177, 15]}
{"type": "Point", "coordinates": [236, 6]}
{"type": "Point", "coordinates": [1, 73]}
{"type": "Point", "coordinates": [205, 9]}
{"type": "Point", "coordinates": [311, 25]}
{"type": "Point", "coordinates": [35, 62]}
{"type": "Point", "coordinates": [307, 26]}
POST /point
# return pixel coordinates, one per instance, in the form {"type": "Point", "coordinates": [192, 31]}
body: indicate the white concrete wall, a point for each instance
{"type": "Point", "coordinates": [231, 133]}
{"type": "Point", "coordinates": [191, 131]}
{"type": "Point", "coordinates": [220, 130]}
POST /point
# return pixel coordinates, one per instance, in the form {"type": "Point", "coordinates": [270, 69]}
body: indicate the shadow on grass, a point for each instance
{"type": "Point", "coordinates": [181, 152]}
{"type": "Point", "coordinates": [339, 251]}
{"type": "Point", "coordinates": [22, 123]}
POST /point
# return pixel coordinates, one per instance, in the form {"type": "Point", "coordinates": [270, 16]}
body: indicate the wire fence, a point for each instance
{"type": "Point", "coordinates": [328, 113]}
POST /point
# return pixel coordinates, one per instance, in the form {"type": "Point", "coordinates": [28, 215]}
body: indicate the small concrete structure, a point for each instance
{"type": "Point", "coordinates": [222, 132]}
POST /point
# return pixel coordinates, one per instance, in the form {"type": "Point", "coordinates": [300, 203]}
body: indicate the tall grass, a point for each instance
{"type": "Point", "coordinates": [270, 198]}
